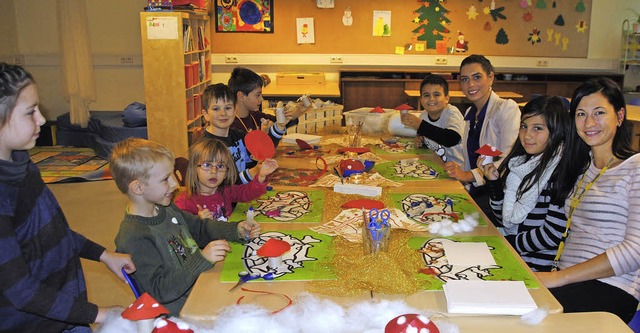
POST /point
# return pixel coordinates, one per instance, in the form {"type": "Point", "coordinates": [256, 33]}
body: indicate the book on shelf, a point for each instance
{"type": "Point", "coordinates": [201, 68]}
{"type": "Point", "coordinates": [201, 44]}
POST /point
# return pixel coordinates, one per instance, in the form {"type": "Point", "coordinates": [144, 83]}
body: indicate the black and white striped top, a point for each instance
{"type": "Point", "coordinates": [607, 219]}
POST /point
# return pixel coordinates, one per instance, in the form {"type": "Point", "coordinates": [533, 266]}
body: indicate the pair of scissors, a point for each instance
{"type": "Point", "coordinates": [383, 215]}
{"type": "Point", "coordinates": [246, 277]}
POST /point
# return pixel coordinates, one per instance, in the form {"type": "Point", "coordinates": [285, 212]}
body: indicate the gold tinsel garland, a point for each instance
{"type": "Point", "coordinates": [391, 272]}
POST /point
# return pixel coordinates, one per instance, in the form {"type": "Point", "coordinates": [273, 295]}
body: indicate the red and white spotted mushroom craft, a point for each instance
{"type": "Point", "coordinates": [273, 249]}
{"type": "Point", "coordinates": [411, 323]}
{"type": "Point", "coordinates": [489, 152]}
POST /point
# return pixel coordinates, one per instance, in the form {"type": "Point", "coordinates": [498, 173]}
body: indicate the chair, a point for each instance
{"type": "Point", "coordinates": [180, 170]}
{"type": "Point", "coordinates": [133, 284]}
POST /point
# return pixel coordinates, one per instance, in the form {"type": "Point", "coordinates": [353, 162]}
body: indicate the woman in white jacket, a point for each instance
{"type": "Point", "coordinates": [490, 120]}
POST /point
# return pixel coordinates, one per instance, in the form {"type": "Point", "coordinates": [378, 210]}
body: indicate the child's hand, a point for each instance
{"type": "Point", "coordinates": [418, 141]}
{"type": "Point", "coordinates": [204, 213]}
{"type": "Point", "coordinates": [410, 120]}
{"type": "Point", "coordinates": [252, 229]}
{"type": "Point", "coordinates": [265, 125]}
{"type": "Point", "coordinates": [295, 112]}
{"type": "Point", "coordinates": [455, 171]}
{"type": "Point", "coordinates": [116, 262]}
{"type": "Point", "coordinates": [488, 170]}
{"type": "Point", "coordinates": [268, 167]}
{"type": "Point", "coordinates": [216, 251]}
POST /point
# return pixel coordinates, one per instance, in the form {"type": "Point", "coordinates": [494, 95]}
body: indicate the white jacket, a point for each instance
{"type": "Point", "coordinates": [499, 129]}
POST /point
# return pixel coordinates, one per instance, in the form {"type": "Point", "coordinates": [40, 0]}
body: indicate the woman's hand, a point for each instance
{"type": "Point", "coordinates": [550, 279]}
{"type": "Point", "coordinates": [454, 170]}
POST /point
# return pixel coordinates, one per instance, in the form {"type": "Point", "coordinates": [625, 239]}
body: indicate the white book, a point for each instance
{"type": "Point", "coordinates": [488, 297]}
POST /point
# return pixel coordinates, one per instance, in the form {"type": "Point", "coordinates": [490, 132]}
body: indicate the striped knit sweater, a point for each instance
{"type": "Point", "coordinates": [42, 283]}
{"type": "Point", "coordinates": [538, 236]}
{"type": "Point", "coordinates": [608, 220]}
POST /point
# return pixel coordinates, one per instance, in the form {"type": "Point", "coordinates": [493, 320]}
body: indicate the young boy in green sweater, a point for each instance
{"type": "Point", "coordinates": [169, 246]}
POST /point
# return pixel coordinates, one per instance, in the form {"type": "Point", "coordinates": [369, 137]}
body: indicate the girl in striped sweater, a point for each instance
{"type": "Point", "coordinates": [526, 195]}
{"type": "Point", "coordinates": [599, 268]}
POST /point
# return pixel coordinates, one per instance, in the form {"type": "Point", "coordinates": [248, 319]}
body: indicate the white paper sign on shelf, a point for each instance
{"type": "Point", "coordinates": [161, 27]}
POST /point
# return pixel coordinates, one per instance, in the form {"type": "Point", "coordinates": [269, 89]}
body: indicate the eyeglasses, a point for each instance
{"type": "Point", "coordinates": [208, 167]}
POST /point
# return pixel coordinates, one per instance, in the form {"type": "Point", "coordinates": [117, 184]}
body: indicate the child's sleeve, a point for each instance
{"type": "Point", "coordinates": [544, 237]}
{"type": "Point", "coordinates": [275, 134]}
{"type": "Point", "coordinates": [443, 136]}
{"type": "Point", "coordinates": [247, 192]}
{"type": "Point", "coordinates": [496, 198]}
{"type": "Point", "coordinates": [204, 231]}
{"type": "Point", "coordinates": [181, 201]}
{"type": "Point", "coordinates": [26, 293]}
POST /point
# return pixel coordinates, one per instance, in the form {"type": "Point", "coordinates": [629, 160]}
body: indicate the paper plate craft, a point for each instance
{"type": "Point", "coordinates": [410, 323]}
{"type": "Point", "coordinates": [145, 307]}
{"type": "Point", "coordinates": [273, 249]}
{"type": "Point", "coordinates": [489, 152]}
{"type": "Point", "coordinates": [168, 326]}
{"type": "Point", "coordinates": [377, 109]}
{"type": "Point", "coordinates": [259, 145]}
{"type": "Point", "coordinates": [363, 203]}
{"type": "Point", "coordinates": [402, 107]}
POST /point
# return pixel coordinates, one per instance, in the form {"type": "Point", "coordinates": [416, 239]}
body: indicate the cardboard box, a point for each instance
{"type": "Point", "coordinates": [300, 78]}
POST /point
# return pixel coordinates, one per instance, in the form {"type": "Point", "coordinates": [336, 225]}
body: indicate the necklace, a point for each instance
{"type": "Point", "coordinates": [245, 126]}
{"type": "Point", "coordinates": [575, 201]}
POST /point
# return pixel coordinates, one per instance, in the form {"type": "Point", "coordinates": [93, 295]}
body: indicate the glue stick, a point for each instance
{"type": "Point", "coordinates": [250, 221]}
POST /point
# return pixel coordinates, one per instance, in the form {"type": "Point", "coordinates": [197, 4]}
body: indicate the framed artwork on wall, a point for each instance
{"type": "Point", "coordinates": [244, 16]}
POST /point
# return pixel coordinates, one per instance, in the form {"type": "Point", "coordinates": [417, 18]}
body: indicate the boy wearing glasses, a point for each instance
{"type": "Point", "coordinates": [210, 181]}
{"type": "Point", "coordinates": [169, 246]}
{"type": "Point", "coordinates": [219, 111]}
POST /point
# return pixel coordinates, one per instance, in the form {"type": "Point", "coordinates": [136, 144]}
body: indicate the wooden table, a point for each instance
{"type": "Point", "coordinates": [457, 96]}
{"type": "Point", "coordinates": [210, 294]}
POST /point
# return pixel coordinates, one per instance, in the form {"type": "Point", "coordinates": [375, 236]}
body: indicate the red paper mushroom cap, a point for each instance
{"type": "Point", "coordinates": [377, 109]}
{"type": "Point", "coordinates": [351, 165]}
{"type": "Point", "coordinates": [364, 203]}
{"type": "Point", "coordinates": [274, 248]}
{"type": "Point", "coordinates": [259, 145]}
{"type": "Point", "coordinates": [409, 323]}
{"type": "Point", "coordinates": [168, 326]}
{"type": "Point", "coordinates": [488, 150]}
{"type": "Point", "coordinates": [145, 307]}
{"type": "Point", "coordinates": [303, 144]}
{"type": "Point", "coordinates": [403, 107]}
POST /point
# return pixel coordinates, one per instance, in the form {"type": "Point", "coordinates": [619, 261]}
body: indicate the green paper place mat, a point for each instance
{"type": "Point", "coordinates": [307, 260]}
{"type": "Point", "coordinates": [507, 268]}
{"type": "Point", "coordinates": [429, 207]}
{"type": "Point", "coordinates": [283, 206]}
{"type": "Point", "coordinates": [412, 171]}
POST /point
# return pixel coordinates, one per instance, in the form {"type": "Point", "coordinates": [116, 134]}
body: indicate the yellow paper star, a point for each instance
{"type": "Point", "coordinates": [581, 26]}
{"type": "Point", "coordinates": [486, 10]}
{"type": "Point", "coordinates": [472, 13]}
{"type": "Point", "coordinates": [416, 20]}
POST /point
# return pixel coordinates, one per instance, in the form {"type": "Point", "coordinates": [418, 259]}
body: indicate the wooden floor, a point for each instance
{"type": "Point", "coordinates": [95, 209]}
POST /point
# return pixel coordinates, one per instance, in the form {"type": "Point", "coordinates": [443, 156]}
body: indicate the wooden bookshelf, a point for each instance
{"type": "Point", "coordinates": [177, 68]}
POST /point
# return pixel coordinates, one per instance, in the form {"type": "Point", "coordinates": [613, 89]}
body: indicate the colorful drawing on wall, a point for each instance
{"type": "Point", "coordinates": [305, 30]}
{"type": "Point", "coordinates": [411, 170]}
{"type": "Point", "coordinates": [244, 16]}
{"type": "Point", "coordinates": [381, 23]}
{"type": "Point", "coordinates": [438, 270]}
{"type": "Point", "coordinates": [283, 206]}
{"type": "Point", "coordinates": [306, 260]}
{"type": "Point", "coordinates": [431, 19]}
{"type": "Point", "coordinates": [426, 208]}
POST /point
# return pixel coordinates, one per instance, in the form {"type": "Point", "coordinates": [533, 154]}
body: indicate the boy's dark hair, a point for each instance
{"type": "Point", "coordinates": [245, 80]}
{"type": "Point", "coordinates": [217, 91]}
{"type": "Point", "coordinates": [436, 80]}
{"type": "Point", "coordinates": [13, 79]}
{"type": "Point", "coordinates": [556, 117]}
{"type": "Point", "coordinates": [479, 59]}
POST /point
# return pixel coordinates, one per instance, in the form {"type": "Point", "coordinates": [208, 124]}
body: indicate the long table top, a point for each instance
{"type": "Point", "coordinates": [210, 293]}
{"type": "Point", "coordinates": [329, 89]}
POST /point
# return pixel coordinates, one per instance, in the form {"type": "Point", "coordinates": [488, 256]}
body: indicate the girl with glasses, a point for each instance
{"type": "Point", "coordinates": [210, 181]}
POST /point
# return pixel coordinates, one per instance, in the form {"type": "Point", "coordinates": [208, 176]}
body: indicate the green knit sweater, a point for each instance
{"type": "Point", "coordinates": [166, 251]}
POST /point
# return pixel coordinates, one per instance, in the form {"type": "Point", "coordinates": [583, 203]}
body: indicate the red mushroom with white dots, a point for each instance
{"type": "Point", "coordinates": [411, 323]}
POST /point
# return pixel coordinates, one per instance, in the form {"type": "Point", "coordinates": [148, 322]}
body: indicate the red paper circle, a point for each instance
{"type": "Point", "coordinates": [259, 145]}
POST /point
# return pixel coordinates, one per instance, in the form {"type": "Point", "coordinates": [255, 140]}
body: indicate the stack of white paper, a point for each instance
{"type": "Point", "coordinates": [488, 297]}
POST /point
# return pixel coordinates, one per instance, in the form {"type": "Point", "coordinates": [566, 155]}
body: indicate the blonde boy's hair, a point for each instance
{"type": "Point", "coordinates": [132, 159]}
{"type": "Point", "coordinates": [209, 150]}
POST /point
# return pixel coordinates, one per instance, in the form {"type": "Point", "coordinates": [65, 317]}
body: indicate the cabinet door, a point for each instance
{"type": "Point", "coordinates": [357, 94]}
